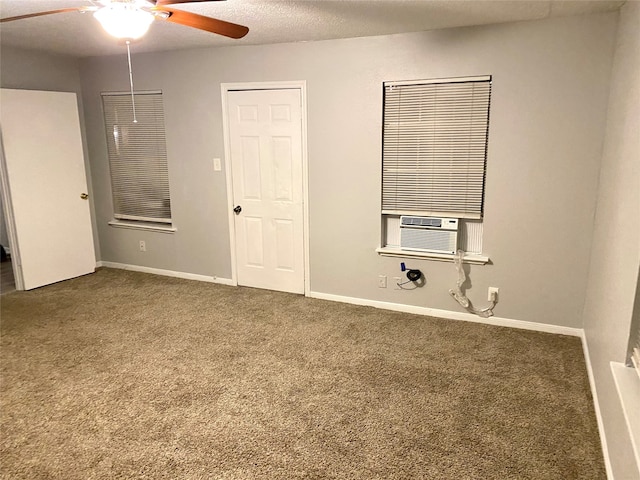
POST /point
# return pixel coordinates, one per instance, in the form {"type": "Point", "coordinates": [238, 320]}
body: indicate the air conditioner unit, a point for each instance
{"type": "Point", "coordinates": [429, 234]}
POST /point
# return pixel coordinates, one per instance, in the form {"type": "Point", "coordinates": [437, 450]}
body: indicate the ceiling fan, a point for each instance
{"type": "Point", "coordinates": [131, 19]}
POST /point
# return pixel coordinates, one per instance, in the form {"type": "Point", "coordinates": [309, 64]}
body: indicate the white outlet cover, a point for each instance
{"type": "Point", "coordinates": [217, 164]}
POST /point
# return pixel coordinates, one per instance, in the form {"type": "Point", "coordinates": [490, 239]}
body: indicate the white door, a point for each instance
{"type": "Point", "coordinates": [47, 185]}
{"type": "Point", "coordinates": [265, 137]}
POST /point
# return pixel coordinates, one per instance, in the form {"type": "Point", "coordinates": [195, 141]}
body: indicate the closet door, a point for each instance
{"type": "Point", "coordinates": [265, 138]}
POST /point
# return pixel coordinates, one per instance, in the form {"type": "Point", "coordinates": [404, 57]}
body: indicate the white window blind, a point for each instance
{"type": "Point", "coordinates": [434, 147]}
{"type": "Point", "coordinates": [137, 157]}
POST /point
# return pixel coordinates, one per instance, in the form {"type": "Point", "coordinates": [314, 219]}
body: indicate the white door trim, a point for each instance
{"type": "Point", "coordinates": [9, 221]}
{"type": "Point", "coordinates": [302, 87]}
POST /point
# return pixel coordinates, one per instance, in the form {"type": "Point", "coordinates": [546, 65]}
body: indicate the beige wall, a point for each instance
{"type": "Point", "coordinates": [547, 121]}
{"type": "Point", "coordinates": [615, 256]}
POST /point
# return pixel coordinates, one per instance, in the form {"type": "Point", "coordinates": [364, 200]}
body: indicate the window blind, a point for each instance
{"type": "Point", "coordinates": [434, 147]}
{"type": "Point", "coordinates": [137, 157]}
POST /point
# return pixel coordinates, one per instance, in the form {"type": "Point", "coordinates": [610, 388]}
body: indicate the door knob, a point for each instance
{"type": "Point", "coordinates": [84, 196]}
{"type": "Point", "coordinates": [237, 210]}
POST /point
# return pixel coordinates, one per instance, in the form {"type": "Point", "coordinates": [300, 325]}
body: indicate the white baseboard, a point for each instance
{"type": "Point", "coordinates": [596, 405]}
{"type": "Point", "coordinates": [449, 315]}
{"type": "Point", "coordinates": [398, 307]}
{"type": "Point", "coordinates": [166, 273]}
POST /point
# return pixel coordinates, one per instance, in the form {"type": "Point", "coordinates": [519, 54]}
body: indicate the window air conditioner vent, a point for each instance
{"type": "Point", "coordinates": [429, 234]}
{"type": "Point", "coordinates": [421, 221]}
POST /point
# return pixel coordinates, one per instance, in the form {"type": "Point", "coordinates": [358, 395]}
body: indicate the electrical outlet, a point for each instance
{"type": "Point", "coordinates": [493, 294]}
{"type": "Point", "coordinates": [396, 283]}
{"type": "Point", "coordinates": [217, 166]}
{"type": "Point", "coordinates": [143, 246]}
{"type": "Point", "coordinates": [382, 281]}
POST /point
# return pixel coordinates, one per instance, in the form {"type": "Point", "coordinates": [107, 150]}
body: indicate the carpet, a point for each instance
{"type": "Point", "coordinates": [125, 375]}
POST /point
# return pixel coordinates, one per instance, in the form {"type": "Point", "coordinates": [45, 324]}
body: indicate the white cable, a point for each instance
{"type": "Point", "coordinates": [133, 100]}
{"type": "Point", "coordinates": [400, 285]}
{"type": "Point", "coordinates": [459, 295]}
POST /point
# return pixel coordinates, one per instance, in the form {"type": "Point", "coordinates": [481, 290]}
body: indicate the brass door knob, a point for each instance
{"type": "Point", "coordinates": [84, 196]}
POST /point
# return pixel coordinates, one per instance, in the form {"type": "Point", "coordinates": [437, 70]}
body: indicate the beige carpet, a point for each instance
{"type": "Point", "coordinates": [123, 375]}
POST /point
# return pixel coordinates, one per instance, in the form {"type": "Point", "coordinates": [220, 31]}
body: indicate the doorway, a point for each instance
{"type": "Point", "coordinates": [266, 180]}
{"type": "Point", "coordinates": [7, 279]}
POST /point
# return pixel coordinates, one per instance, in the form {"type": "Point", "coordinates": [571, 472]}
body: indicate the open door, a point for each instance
{"type": "Point", "coordinates": [46, 185]}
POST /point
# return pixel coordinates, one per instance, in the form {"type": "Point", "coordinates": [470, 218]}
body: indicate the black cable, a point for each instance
{"type": "Point", "coordinates": [414, 275]}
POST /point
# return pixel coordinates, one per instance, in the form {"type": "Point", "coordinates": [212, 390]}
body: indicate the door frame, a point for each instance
{"type": "Point", "coordinates": [301, 86]}
{"type": "Point", "coordinates": [9, 221]}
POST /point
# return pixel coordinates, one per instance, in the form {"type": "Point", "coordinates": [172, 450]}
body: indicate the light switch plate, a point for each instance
{"type": "Point", "coordinates": [217, 164]}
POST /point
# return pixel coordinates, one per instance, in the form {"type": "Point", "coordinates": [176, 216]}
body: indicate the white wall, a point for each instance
{"type": "Point", "coordinates": [547, 121]}
{"type": "Point", "coordinates": [30, 70]}
{"type": "Point", "coordinates": [615, 256]}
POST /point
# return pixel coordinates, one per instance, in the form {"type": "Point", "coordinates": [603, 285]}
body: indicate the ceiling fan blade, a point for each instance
{"type": "Point", "coordinates": [208, 24]}
{"type": "Point", "coordinates": [171, 2]}
{"type": "Point", "coordinates": [39, 14]}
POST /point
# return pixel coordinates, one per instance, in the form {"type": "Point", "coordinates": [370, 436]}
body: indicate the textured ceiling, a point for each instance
{"type": "Point", "coordinates": [274, 21]}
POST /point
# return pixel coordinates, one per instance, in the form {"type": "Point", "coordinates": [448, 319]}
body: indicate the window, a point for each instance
{"type": "Point", "coordinates": [627, 380]}
{"type": "Point", "coordinates": [434, 154]}
{"type": "Point", "coordinates": [137, 157]}
{"type": "Point", "coordinates": [634, 347]}
{"type": "Point", "coordinates": [633, 353]}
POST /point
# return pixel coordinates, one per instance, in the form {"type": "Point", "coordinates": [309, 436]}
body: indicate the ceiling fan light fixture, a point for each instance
{"type": "Point", "coordinates": [123, 20]}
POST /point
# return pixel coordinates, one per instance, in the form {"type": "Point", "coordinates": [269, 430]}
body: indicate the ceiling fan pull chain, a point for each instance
{"type": "Point", "coordinates": [133, 100]}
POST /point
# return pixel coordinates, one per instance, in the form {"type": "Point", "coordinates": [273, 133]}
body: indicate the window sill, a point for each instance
{"type": "Point", "coordinates": [152, 227]}
{"type": "Point", "coordinates": [440, 257]}
{"type": "Point", "coordinates": [628, 386]}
